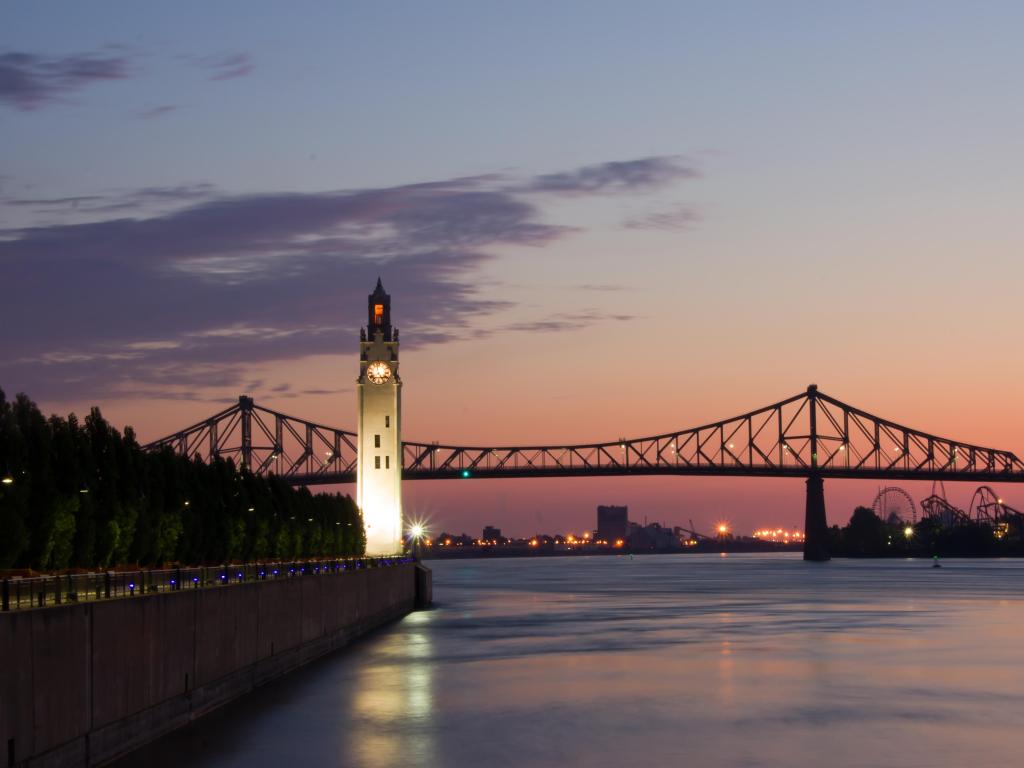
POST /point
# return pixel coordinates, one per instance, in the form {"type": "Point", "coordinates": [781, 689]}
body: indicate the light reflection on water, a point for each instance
{"type": "Point", "coordinates": [749, 660]}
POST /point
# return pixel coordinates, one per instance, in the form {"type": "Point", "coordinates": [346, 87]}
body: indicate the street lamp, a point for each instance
{"type": "Point", "coordinates": [7, 480]}
{"type": "Point", "coordinates": [415, 534]}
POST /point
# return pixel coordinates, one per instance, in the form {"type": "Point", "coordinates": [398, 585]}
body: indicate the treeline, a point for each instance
{"type": "Point", "coordinates": [81, 494]}
{"type": "Point", "coordinates": [867, 535]}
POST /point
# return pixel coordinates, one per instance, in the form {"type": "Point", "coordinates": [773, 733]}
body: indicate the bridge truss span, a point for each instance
{"type": "Point", "coordinates": [809, 434]}
{"type": "Point", "coordinates": [268, 442]}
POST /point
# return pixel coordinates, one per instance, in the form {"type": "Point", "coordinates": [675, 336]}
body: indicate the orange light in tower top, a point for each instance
{"type": "Point", "coordinates": [378, 314]}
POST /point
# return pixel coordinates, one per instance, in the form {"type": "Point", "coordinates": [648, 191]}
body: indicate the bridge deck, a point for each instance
{"type": "Point", "coordinates": [809, 434]}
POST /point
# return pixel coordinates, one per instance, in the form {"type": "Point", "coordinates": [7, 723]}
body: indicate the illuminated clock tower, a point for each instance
{"type": "Point", "coordinates": [379, 470]}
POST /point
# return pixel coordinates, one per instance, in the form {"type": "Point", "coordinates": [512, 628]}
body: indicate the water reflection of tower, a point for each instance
{"type": "Point", "coordinates": [393, 697]}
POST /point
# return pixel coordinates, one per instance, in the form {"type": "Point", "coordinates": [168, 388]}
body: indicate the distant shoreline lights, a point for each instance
{"type": "Point", "coordinates": [779, 535]}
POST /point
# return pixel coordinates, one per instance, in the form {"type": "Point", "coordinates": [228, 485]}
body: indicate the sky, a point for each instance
{"type": "Point", "coordinates": [595, 220]}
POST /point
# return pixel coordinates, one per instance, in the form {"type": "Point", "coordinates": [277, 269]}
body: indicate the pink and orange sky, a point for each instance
{"type": "Point", "coordinates": [595, 221]}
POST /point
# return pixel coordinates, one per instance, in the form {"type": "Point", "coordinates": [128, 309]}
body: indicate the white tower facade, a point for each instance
{"type": "Point", "coordinates": [379, 466]}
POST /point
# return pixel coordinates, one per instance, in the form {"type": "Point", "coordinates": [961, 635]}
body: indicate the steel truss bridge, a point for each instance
{"type": "Point", "coordinates": [810, 435]}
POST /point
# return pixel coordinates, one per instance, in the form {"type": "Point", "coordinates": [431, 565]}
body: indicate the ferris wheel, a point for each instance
{"type": "Point", "coordinates": [894, 505]}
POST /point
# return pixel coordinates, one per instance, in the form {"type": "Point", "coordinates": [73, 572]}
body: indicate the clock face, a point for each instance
{"type": "Point", "coordinates": [378, 372]}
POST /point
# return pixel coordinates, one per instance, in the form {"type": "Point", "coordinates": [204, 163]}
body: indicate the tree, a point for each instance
{"type": "Point", "coordinates": [865, 536]}
{"type": "Point", "coordinates": [14, 496]}
{"type": "Point", "coordinates": [83, 494]}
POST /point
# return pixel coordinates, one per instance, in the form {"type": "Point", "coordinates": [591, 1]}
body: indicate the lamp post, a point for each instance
{"type": "Point", "coordinates": [416, 533]}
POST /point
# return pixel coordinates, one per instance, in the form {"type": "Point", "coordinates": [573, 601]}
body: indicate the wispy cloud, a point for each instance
{"type": "Point", "coordinates": [566, 321]}
{"type": "Point", "coordinates": [226, 67]}
{"type": "Point", "coordinates": [55, 202]}
{"type": "Point", "coordinates": [681, 217]}
{"type": "Point", "coordinates": [617, 177]}
{"type": "Point", "coordinates": [29, 81]}
{"type": "Point", "coordinates": [145, 200]}
{"type": "Point", "coordinates": [160, 111]}
{"type": "Point", "coordinates": [183, 301]}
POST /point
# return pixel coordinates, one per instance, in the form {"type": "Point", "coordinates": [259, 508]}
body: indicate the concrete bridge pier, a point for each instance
{"type": "Point", "coordinates": [815, 523]}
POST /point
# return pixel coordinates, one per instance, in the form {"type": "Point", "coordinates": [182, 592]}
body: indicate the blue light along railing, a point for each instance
{"type": "Point", "coordinates": [41, 591]}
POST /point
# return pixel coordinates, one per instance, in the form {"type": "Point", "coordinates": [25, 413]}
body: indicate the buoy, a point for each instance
{"type": "Point", "coordinates": [935, 562]}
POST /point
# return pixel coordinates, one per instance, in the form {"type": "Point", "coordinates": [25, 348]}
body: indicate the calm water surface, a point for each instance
{"type": "Point", "coordinates": [701, 660]}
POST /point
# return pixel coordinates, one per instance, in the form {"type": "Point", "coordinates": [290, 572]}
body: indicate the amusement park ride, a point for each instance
{"type": "Point", "coordinates": [894, 505]}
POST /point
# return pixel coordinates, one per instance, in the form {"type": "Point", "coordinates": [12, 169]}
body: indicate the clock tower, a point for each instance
{"type": "Point", "coordinates": [379, 464]}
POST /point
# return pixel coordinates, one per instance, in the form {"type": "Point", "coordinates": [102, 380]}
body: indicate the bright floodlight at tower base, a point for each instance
{"type": "Point", "coordinates": [379, 466]}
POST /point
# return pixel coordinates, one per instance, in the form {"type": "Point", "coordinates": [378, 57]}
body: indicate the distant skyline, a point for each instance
{"type": "Point", "coordinates": [561, 198]}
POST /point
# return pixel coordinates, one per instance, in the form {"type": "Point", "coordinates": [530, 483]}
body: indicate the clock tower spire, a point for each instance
{"type": "Point", "coordinates": [379, 461]}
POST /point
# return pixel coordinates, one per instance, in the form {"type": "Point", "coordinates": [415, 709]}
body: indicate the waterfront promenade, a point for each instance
{"type": "Point", "coordinates": [95, 679]}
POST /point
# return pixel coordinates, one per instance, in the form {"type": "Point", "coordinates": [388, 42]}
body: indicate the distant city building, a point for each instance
{"type": "Point", "coordinates": [491, 533]}
{"type": "Point", "coordinates": [446, 539]}
{"type": "Point", "coordinates": [612, 523]}
{"type": "Point", "coordinates": [653, 537]}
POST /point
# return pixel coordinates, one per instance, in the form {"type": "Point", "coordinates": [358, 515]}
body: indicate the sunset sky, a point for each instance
{"type": "Point", "coordinates": [595, 220]}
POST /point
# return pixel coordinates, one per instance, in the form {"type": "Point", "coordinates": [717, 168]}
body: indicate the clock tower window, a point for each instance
{"type": "Point", "coordinates": [379, 314]}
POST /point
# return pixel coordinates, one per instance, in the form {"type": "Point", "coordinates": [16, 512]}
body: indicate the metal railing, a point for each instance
{"type": "Point", "coordinates": [18, 593]}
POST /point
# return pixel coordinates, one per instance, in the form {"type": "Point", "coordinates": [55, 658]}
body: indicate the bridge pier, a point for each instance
{"type": "Point", "coordinates": [815, 523]}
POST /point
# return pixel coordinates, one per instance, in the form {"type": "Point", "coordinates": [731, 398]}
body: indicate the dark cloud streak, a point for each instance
{"type": "Point", "coordinates": [227, 67]}
{"type": "Point", "coordinates": [145, 200]}
{"type": "Point", "coordinates": [617, 177]}
{"type": "Point", "coordinates": [29, 81]}
{"type": "Point", "coordinates": [160, 111]}
{"type": "Point", "coordinates": [566, 321]}
{"type": "Point", "coordinates": [670, 220]}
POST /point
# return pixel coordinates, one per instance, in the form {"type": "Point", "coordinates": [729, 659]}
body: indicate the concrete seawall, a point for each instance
{"type": "Point", "coordinates": [83, 684]}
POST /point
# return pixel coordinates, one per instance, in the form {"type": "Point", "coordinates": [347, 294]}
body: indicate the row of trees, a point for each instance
{"type": "Point", "coordinates": [82, 494]}
{"type": "Point", "coordinates": [867, 535]}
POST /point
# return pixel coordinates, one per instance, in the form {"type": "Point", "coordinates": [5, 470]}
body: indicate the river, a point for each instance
{"type": "Point", "coordinates": [662, 660]}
